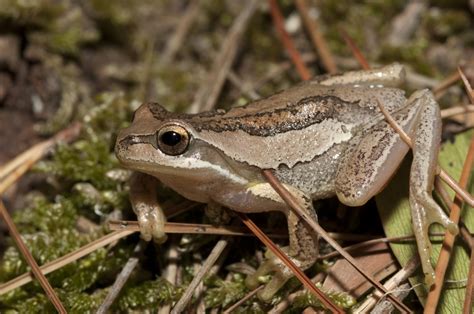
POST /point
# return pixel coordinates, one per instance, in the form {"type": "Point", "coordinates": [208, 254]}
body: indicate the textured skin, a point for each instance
{"type": "Point", "coordinates": [320, 138]}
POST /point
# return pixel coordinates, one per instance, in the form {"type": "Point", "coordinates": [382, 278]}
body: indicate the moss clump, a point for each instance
{"type": "Point", "coordinates": [222, 293]}
{"type": "Point", "coordinates": [149, 295]}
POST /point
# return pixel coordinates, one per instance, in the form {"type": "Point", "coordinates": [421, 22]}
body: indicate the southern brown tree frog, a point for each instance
{"type": "Point", "coordinates": [322, 138]}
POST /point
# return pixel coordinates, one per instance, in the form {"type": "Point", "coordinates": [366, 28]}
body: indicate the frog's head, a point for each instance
{"type": "Point", "coordinates": [162, 143]}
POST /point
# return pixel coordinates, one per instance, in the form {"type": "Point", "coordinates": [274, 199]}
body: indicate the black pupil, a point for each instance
{"type": "Point", "coordinates": [171, 138]}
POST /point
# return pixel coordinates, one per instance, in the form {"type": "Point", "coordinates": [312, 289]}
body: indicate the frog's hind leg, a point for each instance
{"type": "Point", "coordinates": [303, 248]}
{"type": "Point", "coordinates": [426, 138]}
{"type": "Point", "coordinates": [371, 162]}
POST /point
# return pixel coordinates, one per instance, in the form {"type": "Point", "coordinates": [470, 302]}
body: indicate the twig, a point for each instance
{"type": "Point", "coordinates": [391, 284]}
{"type": "Point", "coordinates": [52, 296]}
{"type": "Point", "coordinates": [13, 170]}
{"type": "Point", "coordinates": [463, 109]}
{"type": "Point", "coordinates": [209, 91]}
{"type": "Point", "coordinates": [355, 50]}
{"type": "Point", "coordinates": [294, 205]}
{"type": "Point", "coordinates": [469, 91]}
{"type": "Point", "coordinates": [463, 231]}
{"type": "Point", "coordinates": [211, 259]}
{"type": "Point", "coordinates": [120, 280]}
{"type": "Point", "coordinates": [468, 297]}
{"type": "Point", "coordinates": [317, 38]}
{"type": "Point", "coordinates": [289, 263]}
{"type": "Point", "coordinates": [442, 86]}
{"type": "Point", "coordinates": [176, 40]}
{"type": "Point", "coordinates": [181, 228]}
{"type": "Point", "coordinates": [432, 235]}
{"type": "Point", "coordinates": [230, 309]}
{"type": "Point", "coordinates": [295, 56]}
{"type": "Point", "coordinates": [65, 260]}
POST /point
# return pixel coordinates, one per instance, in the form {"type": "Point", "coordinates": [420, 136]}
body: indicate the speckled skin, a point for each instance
{"type": "Point", "coordinates": [322, 138]}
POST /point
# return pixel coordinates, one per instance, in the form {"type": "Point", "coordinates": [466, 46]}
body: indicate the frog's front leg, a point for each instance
{"type": "Point", "coordinates": [303, 248]}
{"type": "Point", "coordinates": [371, 162]}
{"type": "Point", "coordinates": [151, 218]}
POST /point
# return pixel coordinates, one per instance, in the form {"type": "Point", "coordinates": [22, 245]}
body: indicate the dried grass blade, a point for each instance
{"type": "Point", "coordinates": [355, 50]}
{"type": "Point", "coordinates": [317, 38]}
{"type": "Point", "coordinates": [295, 56]}
{"type": "Point", "coordinates": [48, 289]}
{"type": "Point", "coordinates": [211, 259]}
{"type": "Point", "coordinates": [209, 91]}
{"type": "Point", "coordinates": [66, 259]}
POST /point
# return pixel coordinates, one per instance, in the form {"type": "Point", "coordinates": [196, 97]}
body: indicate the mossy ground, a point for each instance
{"type": "Point", "coordinates": [95, 61]}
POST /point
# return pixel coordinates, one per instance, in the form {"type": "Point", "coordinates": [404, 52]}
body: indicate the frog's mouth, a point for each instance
{"type": "Point", "coordinates": [199, 166]}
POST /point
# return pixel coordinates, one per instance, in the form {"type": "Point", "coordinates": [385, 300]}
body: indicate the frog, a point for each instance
{"type": "Point", "coordinates": [322, 138]}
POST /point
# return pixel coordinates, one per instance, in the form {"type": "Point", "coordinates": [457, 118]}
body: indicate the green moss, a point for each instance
{"type": "Point", "coordinates": [342, 300]}
{"type": "Point", "coordinates": [221, 293]}
{"type": "Point", "coordinates": [149, 295]}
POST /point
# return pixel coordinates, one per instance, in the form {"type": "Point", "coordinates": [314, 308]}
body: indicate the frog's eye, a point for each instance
{"type": "Point", "coordinates": [173, 139]}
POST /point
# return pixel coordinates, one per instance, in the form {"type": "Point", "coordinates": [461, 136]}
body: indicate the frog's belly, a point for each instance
{"type": "Point", "coordinates": [231, 194]}
{"type": "Point", "coordinates": [315, 178]}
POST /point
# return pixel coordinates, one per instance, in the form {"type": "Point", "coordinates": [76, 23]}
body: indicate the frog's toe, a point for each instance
{"type": "Point", "coordinates": [152, 228]}
{"type": "Point", "coordinates": [278, 280]}
{"type": "Point", "coordinates": [435, 214]}
{"type": "Point", "coordinates": [281, 274]}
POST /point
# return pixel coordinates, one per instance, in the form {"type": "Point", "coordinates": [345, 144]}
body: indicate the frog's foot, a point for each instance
{"type": "Point", "coordinates": [152, 224]}
{"type": "Point", "coordinates": [281, 274]}
{"type": "Point", "coordinates": [425, 212]}
{"type": "Point", "coordinates": [151, 218]}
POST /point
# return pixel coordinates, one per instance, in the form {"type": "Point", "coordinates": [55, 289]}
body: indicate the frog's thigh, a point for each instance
{"type": "Point", "coordinates": [373, 159]}
{"type": "Point", "coordinates": [151, 218]}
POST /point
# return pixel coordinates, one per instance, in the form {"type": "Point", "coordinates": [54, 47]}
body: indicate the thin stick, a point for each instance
{"type": "Point", "coordinates": [65, 260]}
{"type": "Point", "coordinates": [120, 280]}
{"type": "Point", "coordinates": [453, 111]}
{"type": "Point", "coordinates": [355, 50]}
{"type": "Point", "coordinates": [209, 91]}
{"type": "Point", "coordinates": [230, 309]}
{"type": "Point", "coordinates": [176, 40]}
{"type": "Point", "coordinates": [52, 296]}
{"type": "Point", "coordinates": [317, 38]}
{"type": "Point", "coordinates": [468, 297]}
{"type": "Point", "coordinates": [469, 91]}
{"type": "Point", "coordinates": [211, 259]}
{"type": "Point", "coordinates": [432, 235]}
{"type": "Point", "coordinates": [391, 284]}
{"type": "Point", "coordinates": [295, 56]}
{"type": "Point", "coordinates": [442, 86]}
{"type": "Point", "coordinates": [187, 228]}
{"type": "Point", "coordinates": [289, 263]}
{"type": "Point", "coordinates": [294, 205]}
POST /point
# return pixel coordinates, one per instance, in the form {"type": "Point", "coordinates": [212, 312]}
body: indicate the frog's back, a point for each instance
{"type": "Point", "coordinates": [291, 127]}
